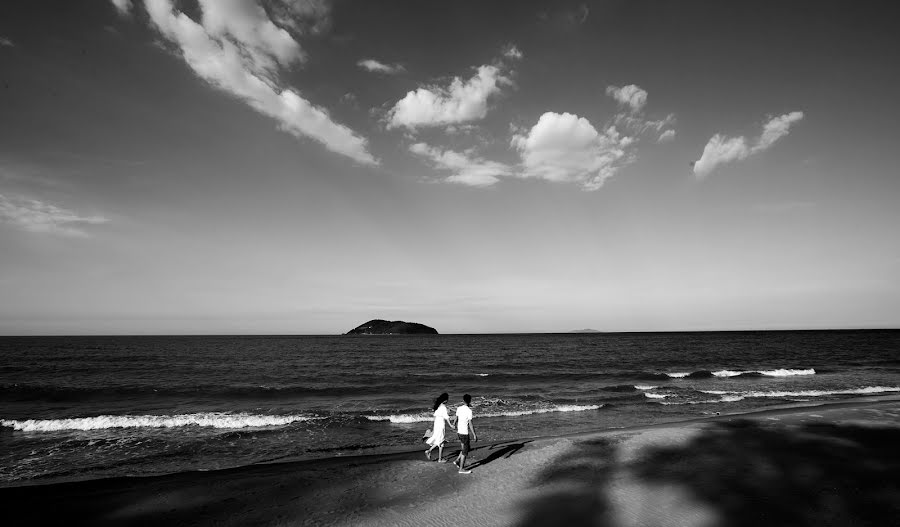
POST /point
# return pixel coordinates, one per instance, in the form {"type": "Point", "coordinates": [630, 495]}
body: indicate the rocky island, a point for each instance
{"type": "Point", "coordinates": [396, 327]}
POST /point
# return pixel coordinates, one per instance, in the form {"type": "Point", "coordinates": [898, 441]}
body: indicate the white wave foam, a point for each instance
{"type": "Point", "coordinates": [417, 418]}
{"type": "Point", "coordinates": [807, 393]}
{"type": "Point", "coordinates": [561, 408]}
{"type": "Point", "coordinates": [643, 387]}
{"type": "Point", "coordinates": [402, 418]}
{"type": "Point", "coordinates": [482, 374]}
{"type": "Point", "coordinates": [212, 419]}
{"type": "Point", "coordinates": [656, 395]}
{"type": "Point", "coordinates": [781, 372]}
{"type": "Point", "coordinates": [669, 403]}
{"type": "Point", "coordinates": [679, 375]}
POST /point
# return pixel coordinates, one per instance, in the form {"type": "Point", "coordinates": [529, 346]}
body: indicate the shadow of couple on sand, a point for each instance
{"type": "Point", "coordinates": [494, 452]}
{"type": "Point", "coordinates": [743, 473]}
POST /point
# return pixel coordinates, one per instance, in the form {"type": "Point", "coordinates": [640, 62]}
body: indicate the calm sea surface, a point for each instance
{"type": "Point", "coordinates": [88, 407]}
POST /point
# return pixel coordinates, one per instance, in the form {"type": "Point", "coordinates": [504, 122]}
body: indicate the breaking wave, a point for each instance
{"type": "Point", "coordinates": [212, 420]}
{"type": "Point", "coordinates": [804, 393]}
{"type": "Point", "coordinates": [420, 418]}
{"type": "Point", "coordinates": [781, 372]}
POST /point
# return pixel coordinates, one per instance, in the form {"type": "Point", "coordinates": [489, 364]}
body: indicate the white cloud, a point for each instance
{"type": "Point", "coordinates": [37, 216]}
{"type": "Point", "coordinates": [303, 16]}
{"type": "Point", "coordinates": [462, 101]}
{"type": "Point", "coordinates": [775, 129]}
{"type": "Point", "coordinates": [512, 52]}
{"type": "Point", "coordinates": [5, 42]}
{"type": "Point", "coordinates": [248, 25]}
{"type": "Point", "coordinates": [235, 50]}
{"type": "Point", "coordinates": [380, 67]}
{"type": "Point", "coordinates": [465, 169]}
{"type": "Point", "coordinates": [721, 149]}
{"type": "Point", "coordinates": [632, 96]}
{"type": "Point", "coordinates": [122, 6]}
{"type": "Point", "coordinates": [637, 124]}
{"type": "Point", "coordinates": [567, 148]}
{"type": "Point", "coordinates": [666, 136]}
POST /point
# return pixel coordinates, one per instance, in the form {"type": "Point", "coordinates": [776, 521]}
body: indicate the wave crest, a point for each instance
{"type": "Point", "coordinates": [805, 393]}
{"type": "Point", "coordinates": [101, 422]}
{"type": "Point", "coordinates": [780, 372]}
{"type": "Point", "coordinates": [418, 418]}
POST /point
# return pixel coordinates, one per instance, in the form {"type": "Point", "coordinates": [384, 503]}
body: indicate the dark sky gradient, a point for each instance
{"type": "Point", "coordinates": [135, 197]}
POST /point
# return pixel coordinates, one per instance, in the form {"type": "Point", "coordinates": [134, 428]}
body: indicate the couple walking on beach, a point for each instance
{"type": "Point", "coordinates": [464, 428]}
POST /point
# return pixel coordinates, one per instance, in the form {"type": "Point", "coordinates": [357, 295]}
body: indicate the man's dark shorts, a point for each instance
{"type": "Point", "coordinates": [464, 441]}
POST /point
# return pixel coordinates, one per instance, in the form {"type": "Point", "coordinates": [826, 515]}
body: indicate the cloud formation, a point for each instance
{"type": "Point", "coordinates": [512, 52]}
{"type": "Point", "coordinates": [460, 102]}
{"type": "Point", "coordinates": [567, 148]}
{"type": "Point", "coordinates": [5, 42]}
{"type": "Point", "coordinates": [238, 49]}
{"type": "Point", "coordinates": [465, 168]}
{"type": "Point", "coordinates": [122, 6]}
{"type": "Point", "coordinates": [721, 149]}
{"type": "Point", "coordinates": [632, 96]}
{"type": "Point", "coordinates": [380, 67]}
{"type": "Point", "coordinates": [36, 216]}
{"type": "Point", "coordinates": [302, 16]}
{"type": "Point", "coordinates": [666, 136]}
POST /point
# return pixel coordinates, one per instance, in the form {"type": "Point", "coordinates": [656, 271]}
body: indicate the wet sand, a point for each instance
{"type": "Point", "coordinates": [836, 464]}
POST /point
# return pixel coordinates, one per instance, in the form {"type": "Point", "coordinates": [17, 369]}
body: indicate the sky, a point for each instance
{"type": "Point", "coordinates": [303, 166]}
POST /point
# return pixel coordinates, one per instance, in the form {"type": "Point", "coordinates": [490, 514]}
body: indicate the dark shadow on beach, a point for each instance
{"type": "Point", "coordinates": [500, 450]}
{"type": "Point", "coordinates": [753, 474]}
{"type": "Point", "coordinates": [575, 484]}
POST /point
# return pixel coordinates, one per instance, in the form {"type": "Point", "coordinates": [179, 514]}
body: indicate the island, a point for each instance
{"type": "Point", "coordinates": [396, 327]}
{"type": "Point", "coordinates": [586, 330]}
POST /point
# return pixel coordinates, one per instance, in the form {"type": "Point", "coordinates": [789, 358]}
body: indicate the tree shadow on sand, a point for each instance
{"type": "Point", "coordinates": [821, 474]}
{"type": "Point", "coordinates": [746, 474]}
{"type": "Point", "coordinates": [575, 485]}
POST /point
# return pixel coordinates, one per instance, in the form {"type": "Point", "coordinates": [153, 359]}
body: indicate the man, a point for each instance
{"type": "Point", "coordinates": [463, 428]}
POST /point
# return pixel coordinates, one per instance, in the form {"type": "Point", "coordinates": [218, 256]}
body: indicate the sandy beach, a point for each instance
{"type": "Point", "coordinates": [834, 464]}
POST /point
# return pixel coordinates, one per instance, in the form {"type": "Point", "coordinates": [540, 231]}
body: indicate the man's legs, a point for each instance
{"type": "Point", "coordinates": [463, 451]}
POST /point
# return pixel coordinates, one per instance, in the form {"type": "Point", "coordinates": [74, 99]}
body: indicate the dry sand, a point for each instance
{"type": "Point", "coordinates": [835, 464]}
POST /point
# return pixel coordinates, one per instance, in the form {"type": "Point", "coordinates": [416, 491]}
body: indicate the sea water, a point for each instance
{"type": "Point", "coordinates": [90, 407]}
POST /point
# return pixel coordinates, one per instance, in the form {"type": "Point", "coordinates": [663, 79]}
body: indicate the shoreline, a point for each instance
{"type": "Point", "coordinates": [400, 452]}
{"type": "Point", "coordinates": [511, 483]}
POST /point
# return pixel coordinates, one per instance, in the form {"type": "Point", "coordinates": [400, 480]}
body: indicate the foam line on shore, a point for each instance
{"type": "Point", "coordinates": [209, 419]}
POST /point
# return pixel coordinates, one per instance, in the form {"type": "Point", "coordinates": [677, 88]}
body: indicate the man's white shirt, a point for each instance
{"type": "Point", "coordinates": [463, 418]}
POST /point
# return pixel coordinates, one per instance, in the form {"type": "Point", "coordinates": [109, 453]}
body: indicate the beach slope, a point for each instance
{"type": "Point", "coordinates": [835, 464]}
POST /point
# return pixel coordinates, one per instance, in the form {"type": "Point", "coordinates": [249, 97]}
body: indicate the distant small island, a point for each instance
{"type": "Point", "coordinates": [396, 327]}
{"type": "Point", "coordinates": [586, 330]}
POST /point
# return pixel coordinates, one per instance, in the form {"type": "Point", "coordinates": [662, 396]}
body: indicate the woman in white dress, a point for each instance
{"type": "Point", "coordinates": [441, 418]}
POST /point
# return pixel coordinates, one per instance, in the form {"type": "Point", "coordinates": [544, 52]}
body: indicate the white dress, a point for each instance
{"type": "Point", "coordinates": [437, 434]}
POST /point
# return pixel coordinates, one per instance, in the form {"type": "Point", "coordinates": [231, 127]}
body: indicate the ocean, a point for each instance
{"type": "Point", "coordinates": [75, 408]}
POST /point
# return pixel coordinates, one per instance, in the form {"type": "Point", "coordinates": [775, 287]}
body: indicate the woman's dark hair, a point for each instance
{"type": "Point", "coordinates": [442, 398]}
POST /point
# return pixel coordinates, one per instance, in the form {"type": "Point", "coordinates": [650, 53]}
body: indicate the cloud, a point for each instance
{"type": "Point", "coordinates": [7, 43]}
{"type": "Point", "coordinates": [567, 148]}
{"type": "Point", "coordinates": [775, 129]}
{"type": "Point", "coordinates": [302, 16]}
{"type": "Point", "coordinates": [237, 49]}
{"type": "Point", "coordinates": [36, 216]}
{"type": "Point", "coordinates": [721, 149]}
{"type": "Point", "coordinates": [461, 101]}
{"type": "Point", "coordinates": [122, 6]}
{"type": "Point", "coordinates": [632, 96]}
{"type": "Point", "coordinates": [512, 52]}
{"type": "Point", "coordinates": [666, 136]}
{"type": "Point", "coordinates": [380, 67]}
{"type": "Point", "coordinates": [248, 25]}
{"type": "Point", "coordinates": [466, 169]}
